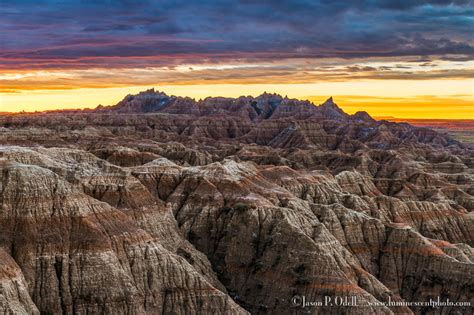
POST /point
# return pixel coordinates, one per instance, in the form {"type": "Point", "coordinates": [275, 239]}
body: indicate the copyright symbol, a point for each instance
{"type": "Point", "coordinates": [297, 300]}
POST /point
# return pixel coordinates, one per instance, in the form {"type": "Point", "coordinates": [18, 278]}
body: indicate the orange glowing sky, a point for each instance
{"type": "Point", "coordinates": [397, 98]}
{"type": "Point", "coordinates": [406, 59]}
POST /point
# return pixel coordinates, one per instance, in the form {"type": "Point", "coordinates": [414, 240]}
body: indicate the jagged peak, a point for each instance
{"type": "Point", "coordinates": [329, 101]}
{"type": "Point", "coordinates": [330, 104]}
{"type": "Point", "coordinates": [151, 91]}
{"type": "Point", "coordinates": [332, 110]}
{"type": "Point", "coordinates": [362, 116]}
{"type": "Point", "coordinates": [265, 104]}
{"type": "Point", "coordinates": [266, 95]}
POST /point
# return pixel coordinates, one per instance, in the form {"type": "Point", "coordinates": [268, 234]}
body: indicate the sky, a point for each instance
{"type": "Point", "coordinates": [405, 58]}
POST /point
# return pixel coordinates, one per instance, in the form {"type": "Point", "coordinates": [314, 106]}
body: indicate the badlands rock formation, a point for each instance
{"type": "Point", "coordinates": [167, 205]}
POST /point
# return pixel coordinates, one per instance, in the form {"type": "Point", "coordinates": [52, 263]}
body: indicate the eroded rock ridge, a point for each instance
{"type": "Point", "coordinates": [168, 205]}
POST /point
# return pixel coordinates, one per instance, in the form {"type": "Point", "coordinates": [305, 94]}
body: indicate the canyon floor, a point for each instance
{"type": "Point", "coordinates": [168, 205]}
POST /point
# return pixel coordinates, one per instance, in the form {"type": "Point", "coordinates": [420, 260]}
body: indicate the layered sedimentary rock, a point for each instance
{"type": "Point", "coordinates": [14, 297]}
{"type": "Point", "coordinates": [81, 255]}
{"type": "Point", "coordinates": [163, 204]}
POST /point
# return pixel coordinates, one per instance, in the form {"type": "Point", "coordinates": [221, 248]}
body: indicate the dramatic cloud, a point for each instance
{"type": "Point", "coordinates": [271, 73]}
{"type": "Point", "coordinates": [77, 30]}
{"type": "Point", "coordinates": [65, 45]}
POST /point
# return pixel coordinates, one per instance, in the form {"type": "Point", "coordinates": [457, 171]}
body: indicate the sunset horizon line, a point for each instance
{"type": "Point", "coordinates": [348, 103]}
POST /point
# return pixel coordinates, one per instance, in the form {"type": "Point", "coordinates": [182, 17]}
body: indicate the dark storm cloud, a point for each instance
{"type": "Point", "coordinates": [74, 34]}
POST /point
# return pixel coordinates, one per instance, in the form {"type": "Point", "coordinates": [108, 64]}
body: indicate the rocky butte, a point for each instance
{"type": "Point", "coordinates": [167, 205]}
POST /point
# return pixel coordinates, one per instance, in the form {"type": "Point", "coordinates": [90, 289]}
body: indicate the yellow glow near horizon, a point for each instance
{"type": "Point", "coordinates": [450, 99]}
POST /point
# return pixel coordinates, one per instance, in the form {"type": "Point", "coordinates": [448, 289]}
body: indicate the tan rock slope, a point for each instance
{"type": "Point", "coordinates": [167, 205]}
